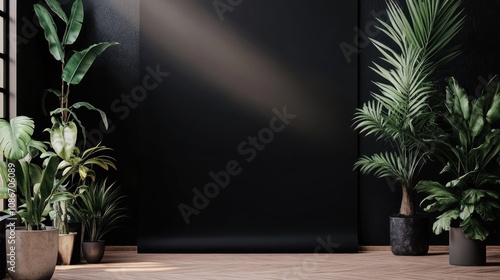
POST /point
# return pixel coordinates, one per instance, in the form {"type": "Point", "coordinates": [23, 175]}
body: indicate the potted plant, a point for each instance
{"type": "Point", "coordinates": [470, 202]}
{"type": "Point", "coordinates": [65, 122]}
{"type": "Point", "coordinates": [400, 112]}
{"type": "Point", "coordinates": [99, 207]}
{"type": "Point", "coordinates": [35, 246]}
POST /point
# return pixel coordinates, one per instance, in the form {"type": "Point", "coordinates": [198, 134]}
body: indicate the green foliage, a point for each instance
{"type": "Point", "coordinates": [75, 166]}
{"type": "Point", "coordinates": [400, 112]}
{"type": "Point", "coordinates": [76, 67]}
{"type": "Point", "coordinates": [37, 185]}
{"type": "Point", "coordinates": [469, 150]}
{"type": "Point", "coordinates": [99, 208]}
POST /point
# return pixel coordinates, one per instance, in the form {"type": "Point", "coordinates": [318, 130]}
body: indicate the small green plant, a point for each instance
{"type": "Point", "coordinates": [470, 152]}
{"type": "Point", "coordinates": [99, 208]}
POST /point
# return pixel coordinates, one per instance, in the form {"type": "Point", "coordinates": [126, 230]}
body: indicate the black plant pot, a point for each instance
{"type": "Point", "coordinates": [409, 235]}
{"type": "Point", "coordinates": [464, 251]}
{"type": "Point", "coordinates": [93, 251]}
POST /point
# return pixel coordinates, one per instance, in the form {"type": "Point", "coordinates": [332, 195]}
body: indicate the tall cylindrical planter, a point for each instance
{"type": "Point", "coordinates": [66, 243]}
{"type": "Point", "coordinates": [34, 253]}
{"type": "Point", "coordinates": [409, 235]}
{"type": "Point", "coordinates": [464, 251]}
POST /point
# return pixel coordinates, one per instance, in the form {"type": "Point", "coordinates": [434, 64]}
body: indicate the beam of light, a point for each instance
{"type": "Point", "coordinates": [237, 68]}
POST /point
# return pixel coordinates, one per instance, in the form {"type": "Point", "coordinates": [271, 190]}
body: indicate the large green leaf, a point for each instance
{"type": "Point", "coordinates": [50, 30]}
{"type": "Point", "coordinates": [57, 9]}
{"type": "Point", "coordinates": [493, 114]}
{"type": "Point", "coordinates": [78, 65]}
{"type": "Point", "coordinates": [89, 106]}
{"type": "Point", "coordinates": [75, 23]}
{"type": "Point", "coordinates": [63, 139]}
{"type": "Point", "coordinates": [15, 136]}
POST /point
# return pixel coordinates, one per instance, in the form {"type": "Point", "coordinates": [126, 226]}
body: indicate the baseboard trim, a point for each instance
{"type": "Point", "coordinates": [433, 248]}
{"type": "Point", "coordinates": [121, 248]}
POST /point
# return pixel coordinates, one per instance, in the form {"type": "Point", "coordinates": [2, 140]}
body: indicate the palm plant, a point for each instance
{"type": "Point", "coordinates": [470, 151]}
{"type": "Point", "coordinates": [99, 208]}
{"type": "Point", "coordinates": [400, 112]}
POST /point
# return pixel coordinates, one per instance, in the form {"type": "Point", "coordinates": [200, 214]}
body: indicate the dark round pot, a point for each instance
{"type": "Point", "coordinates": [93, 251]}
{"type": "Point", "coordinates": [464, 251]}
{"type": "Point", "coordinates": [409, 235]}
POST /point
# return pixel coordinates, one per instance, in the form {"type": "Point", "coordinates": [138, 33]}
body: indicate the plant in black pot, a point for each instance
{"type": "Point", "coordinates": [400, 112]}
{"type": "Point", "coordinates": [470, 202]}
{"type": "Point", "coordinates": [99, 207]}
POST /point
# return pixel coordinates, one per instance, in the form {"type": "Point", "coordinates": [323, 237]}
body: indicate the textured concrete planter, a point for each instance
{"type": "Point", "coordinates": [409, 235]}
{"type": "Point", "coordinates": [93, 251]}
{"type": "Point", "coordinates": [464, 251]}
{"type": "Point", "coordinates": [34, 254]}
{"type": "Point", "coordinates": [66, 242]}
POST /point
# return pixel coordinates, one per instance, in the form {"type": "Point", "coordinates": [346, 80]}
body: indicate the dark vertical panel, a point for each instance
{"type": "Point", "coordinates": [291, 192]}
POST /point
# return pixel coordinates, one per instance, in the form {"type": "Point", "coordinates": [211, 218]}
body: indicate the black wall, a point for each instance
{"type": "Point", "coordinates": [229, 81]}
{"type": "Point", "coordinates": [120, 70]}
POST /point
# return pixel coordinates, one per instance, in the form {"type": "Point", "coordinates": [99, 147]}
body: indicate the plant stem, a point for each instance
{"type": "Point", "coordinates": [407, 202]}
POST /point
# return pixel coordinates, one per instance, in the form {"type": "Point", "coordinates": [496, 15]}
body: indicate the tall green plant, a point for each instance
{"type": "Point", "coordinates": [400, 112]}
{"type": "Point", "coordinates": [65, 122]}
{"type": "Point", "coordinates": [74, 67]}
{"type": "Point", "coordinates": [470, 152]}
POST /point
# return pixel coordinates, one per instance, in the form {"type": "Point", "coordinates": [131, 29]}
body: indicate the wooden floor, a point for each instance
{"type": "Point", "coordinates": [364, 265]}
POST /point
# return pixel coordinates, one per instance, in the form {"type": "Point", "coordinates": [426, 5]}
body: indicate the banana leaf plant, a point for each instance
{"type": "Point", "coordinates": [65, 122]}
{"type": "Point", "coordinates": [74, 67]}
{"type": "Point", "coordinates": [470, 152]}
{"type": "Point", "coordinates": [400, 112]}
{"type": "Point", "coordinates": [37, 184]}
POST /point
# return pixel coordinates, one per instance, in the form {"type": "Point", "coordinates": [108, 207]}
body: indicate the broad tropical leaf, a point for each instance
{"type": "Point", "coordinates": [63, 139]}
{"type": "Point", "coordinates": [78, 65]}
{"type": "Point", "coordinates": [57, 9]}
{"type": "Point", "coordinates": [15, 136]}
{"type": "Point", "coordinates": [89, 106]}
{"type": "Point", "coordinates": [74, 24]}
{"type": "Point", "coordinates": [50, 31]}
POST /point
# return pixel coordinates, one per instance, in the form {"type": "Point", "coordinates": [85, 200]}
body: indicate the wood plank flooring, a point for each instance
{"type": "Point", "coordinates": [364, 265]}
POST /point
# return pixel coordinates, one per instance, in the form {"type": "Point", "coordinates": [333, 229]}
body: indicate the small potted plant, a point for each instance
{"type": "Point", "coordinates": [400, 112]}
{"type": "Point", "coordinates": [470, 202]}
{"type": "Point", "coordinates": [99, 207]}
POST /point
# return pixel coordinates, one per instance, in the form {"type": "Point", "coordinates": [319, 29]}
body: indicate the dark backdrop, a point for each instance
{"type": "Point", "coordinates": [231, 76]}
{"type": "Point", "coordinates": [119, 71]}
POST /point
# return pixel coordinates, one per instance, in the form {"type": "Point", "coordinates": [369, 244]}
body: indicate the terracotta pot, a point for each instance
{"type": "Point", "coordinates": [93, 251]}
{"type": "Point", "coordinates": [66, 242]}
{"type": "Point", "coordinates": [34, 253]}
{"type": "Point", "coordinates": [464, 251]}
